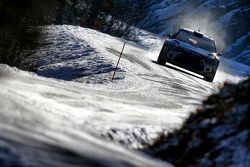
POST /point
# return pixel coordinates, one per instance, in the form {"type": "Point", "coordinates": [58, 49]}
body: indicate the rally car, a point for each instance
{"type": "Point", "coordinates": [193, 51]}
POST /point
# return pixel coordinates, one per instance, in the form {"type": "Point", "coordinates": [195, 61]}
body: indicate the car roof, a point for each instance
{"type": "Point", "coordinates": [193, 31]}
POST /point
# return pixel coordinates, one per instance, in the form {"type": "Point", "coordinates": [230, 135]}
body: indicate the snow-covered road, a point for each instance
{"type": "Point", "coordinates": [71, 113]}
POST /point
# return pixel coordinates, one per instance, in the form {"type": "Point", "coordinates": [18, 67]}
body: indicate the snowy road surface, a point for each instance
{"type": "Point", "coordinates": [71, 113]}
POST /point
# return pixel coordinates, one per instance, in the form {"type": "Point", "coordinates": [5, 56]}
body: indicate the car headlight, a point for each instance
{"type": "Point", "coordinates": [211, 56]}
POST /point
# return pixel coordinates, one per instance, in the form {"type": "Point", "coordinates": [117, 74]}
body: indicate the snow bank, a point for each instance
{"type": "Point", "coordinates": [217, 135]}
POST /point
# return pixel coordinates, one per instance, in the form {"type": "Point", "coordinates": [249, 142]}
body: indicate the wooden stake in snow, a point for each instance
{"type": "Point", "coordinates": [119, 60]}
{"type": "Point", "coordinates": [145, 21]}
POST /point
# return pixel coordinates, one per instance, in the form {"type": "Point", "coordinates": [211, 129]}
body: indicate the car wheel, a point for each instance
{"type": "Point", "coordinates": [210, 77]}
{"type": "Point", "coordinates": [162, 59]}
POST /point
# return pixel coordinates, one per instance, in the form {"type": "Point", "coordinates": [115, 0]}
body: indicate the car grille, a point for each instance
{"type": "Point", "coordinates": [190, 61]}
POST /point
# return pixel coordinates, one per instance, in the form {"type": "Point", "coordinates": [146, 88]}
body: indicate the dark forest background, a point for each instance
{"type": "Point", "coordinates": [20, 38]}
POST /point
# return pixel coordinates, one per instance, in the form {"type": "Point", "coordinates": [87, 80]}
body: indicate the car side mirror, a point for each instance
{"type": "Point", "coordinates": [219, 54]}
{"type": "Point", "coordinates": [169, 36]}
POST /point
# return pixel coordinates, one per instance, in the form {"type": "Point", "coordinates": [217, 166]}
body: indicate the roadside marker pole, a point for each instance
{"type": "Point", "coordinates": [119, 60]}
{"type": "Point", "coordinates": [146, 20]}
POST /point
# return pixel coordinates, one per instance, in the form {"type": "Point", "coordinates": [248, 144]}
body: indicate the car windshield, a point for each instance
{"type": "Point", "coordinates": [196, 40]}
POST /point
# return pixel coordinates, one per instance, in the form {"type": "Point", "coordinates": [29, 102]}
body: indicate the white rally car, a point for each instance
{"type": "Point", "coordinates": [193, 51]}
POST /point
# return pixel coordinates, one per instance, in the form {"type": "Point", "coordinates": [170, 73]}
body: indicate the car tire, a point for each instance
{"type": "Point", "coordinates": [210, 77]}
{"type": "Point", "coordinates": [162, 59]}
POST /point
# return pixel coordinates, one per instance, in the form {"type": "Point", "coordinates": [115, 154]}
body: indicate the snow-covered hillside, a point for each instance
{"type": "Point", "coordinates": [69, 113]}
{"type": "Point", "coordinates": [225, 20]}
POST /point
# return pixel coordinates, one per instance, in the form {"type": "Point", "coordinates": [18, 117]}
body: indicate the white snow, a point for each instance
{"type": "Point", "coordinates": [79, 108]}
